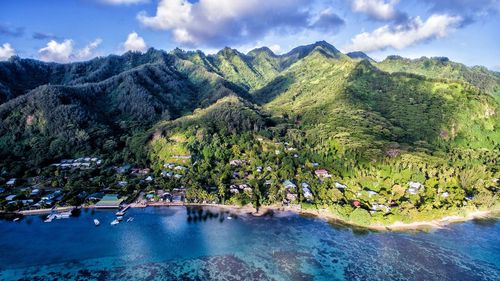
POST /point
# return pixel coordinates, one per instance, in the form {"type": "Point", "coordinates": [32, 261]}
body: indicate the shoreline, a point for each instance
{"type": "Point", "coordinates": [322, 214]}
{"type": "Point", "coordinates": [327, 216]}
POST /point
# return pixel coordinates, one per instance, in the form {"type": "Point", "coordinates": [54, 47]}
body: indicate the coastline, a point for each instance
{"type": "Point", "coordinates": [328, 216]}
{"type": "Point", "coordinates": [323, 214]}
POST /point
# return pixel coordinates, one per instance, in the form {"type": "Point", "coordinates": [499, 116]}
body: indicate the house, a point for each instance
{"type": "Point", "coordinates": [382, 207]}
{"type": "Point", "coordinates": [237, 162]}
{"type": "Point", "coordinates": [180, 168]}
{"type": "Point", "coordinates": [12, 181]}
{"type": "Point", "coordinates": [414, 187]}
{"type": "Point", "coordinates": [122, 183]}
{"type": "Point", "coordinates": [247, 189]}
{"type": "Point", "coordinates": [340, 186]}
{"type": "Point", "coordinates": [307, 192]}
{"type": "Point", "coordinates": [150, 196]}
{"type": "Point", "coordinates": [322, 173]}
{"type": "Point", "coordinates": [315, 164]}
{"type": "Point", "coordinates": [295, 155]}
{"type": "Point", "coordinates": [177, 176]}
{"type": "Point", "coordinates": [139, 171]}
{"type": "Point", "coordinates": [149, 179]}
{"type": "Point", "coordinates": [269, 169]}
{"type": "Point", "coordinates": [166, 174]}
{"type": "Point", "coordinates": [445, 194]}
{"type": "Point", "coordinates": [10, 197]}
{"type": "Point", "coordinates": [169, 165]}
{"type": "Point", "coordinates": [259, 169]}
{"type": "Point", "coordinates": [123, 169]}
{"type": "Point", "coordinates": [35, 192]}
{"type": "Point", "coordinates": [371, 193]}
{"type": "Point", "coordinates": [234, 189]}
{"type": "Point", "coordinates": [356, 203]}
{"type": "Point", "coordinates": [289, 184]}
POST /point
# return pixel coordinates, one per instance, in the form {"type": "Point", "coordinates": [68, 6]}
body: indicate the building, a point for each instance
{"type": "Point", "coordinates": [237, 162]}
{"type": "Point", "coordinates": [307, 192]}
{"type": "Point", "coordinates": [340, 186]}
{"type": "Point", "coordinates": [322, 173]}
{"type": "Point", "coordinates": [414, 187]}
{"type": "Point", "coordinates": [12, 182]}
{"type": "Point", "coordinates": [289, 184]}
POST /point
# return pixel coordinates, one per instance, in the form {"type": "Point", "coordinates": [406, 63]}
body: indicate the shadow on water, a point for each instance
{"type": "Point", "coordinates": [485, 222]}
{"type": "Point", "coordinates": [200, 214]}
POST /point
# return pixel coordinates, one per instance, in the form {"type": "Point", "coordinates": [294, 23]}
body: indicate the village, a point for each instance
{"type": "Point", "coordinates": [127, 186]}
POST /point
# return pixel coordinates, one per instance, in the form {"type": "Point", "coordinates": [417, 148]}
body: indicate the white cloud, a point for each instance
{"type": "Point", "coordinates": [404, 35]}
{"type": "Point", "coordinates": [275, 48]}
{"type": "Point", "coordinates": [215, 23]}
{"type": "Point", "coordinates": [87, 51]}
{"type": "Point", "coordinates": [378, 9]}
{"type": "Point", "coordinates": [6, 51]}
{"type": "Point", "coordinates": [134, 43]}
{"type": "Point", "coordinates": [57, 52]}
{"type": "Point", "coordinates": [124, 2]}
{"type": "Point", "coordinates": [65, 52]}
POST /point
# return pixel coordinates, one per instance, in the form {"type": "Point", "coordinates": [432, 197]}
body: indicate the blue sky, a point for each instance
{"type": "Point", "coordinates": [466, 31]}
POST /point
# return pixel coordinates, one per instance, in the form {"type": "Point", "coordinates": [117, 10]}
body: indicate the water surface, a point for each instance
{"type": "Point", "coordinates": [176, 243]}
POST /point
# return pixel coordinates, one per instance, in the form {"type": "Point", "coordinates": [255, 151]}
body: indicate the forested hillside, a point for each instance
{"type": "Point", "coordinates": [373, 126]}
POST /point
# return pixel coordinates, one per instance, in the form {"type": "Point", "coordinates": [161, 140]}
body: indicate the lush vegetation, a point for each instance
{"type": "Point", "coordinates": [377, 128]}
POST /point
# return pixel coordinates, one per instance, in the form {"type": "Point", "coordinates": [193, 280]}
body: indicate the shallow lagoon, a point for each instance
{"type": "Point", "coordinates": [176, 243]}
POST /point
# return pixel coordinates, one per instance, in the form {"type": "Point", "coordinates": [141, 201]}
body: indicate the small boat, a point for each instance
{"type": "Point", "coordinates": [50, 218]}
{"type": "Point", "coordinates": [16, 219]}
{"type": "Point", "coordinates": [229, 218]}
{"type": "Point", "coordinates": [63, 215]}
{"type": "Point", "coordinates": [115, 222]}
{"type": "Point", "coordinates": [120, 214]}
{"type": "Point", "coordinates": [97, 222]}
{"type": "Point", "coordinates": [130, 219]}
{"type": "Point", "coordinates": [119, 218]}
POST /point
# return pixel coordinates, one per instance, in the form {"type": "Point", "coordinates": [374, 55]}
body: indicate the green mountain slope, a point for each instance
{"type": "Point", "coordinates": [443, 68]}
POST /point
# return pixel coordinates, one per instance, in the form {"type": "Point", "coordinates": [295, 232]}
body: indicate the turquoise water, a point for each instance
{"type": "Point", "coordinates": [176, 243]}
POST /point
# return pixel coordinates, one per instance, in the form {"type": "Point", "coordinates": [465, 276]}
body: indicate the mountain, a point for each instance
{"type": "Point", "coordinates": [359, 55]}
{"type": "Point", "coordinates": [116, 106]}
{"type": "Point", "coordinates": [443, 68]}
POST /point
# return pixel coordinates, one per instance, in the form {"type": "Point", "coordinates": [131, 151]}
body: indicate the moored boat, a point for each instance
{"type": "Point", "coordinates": [97, 222]}
{"type": "Point", "coordinates": [114, 222]}
{"type": "Point", "coordinates": [130, 219]}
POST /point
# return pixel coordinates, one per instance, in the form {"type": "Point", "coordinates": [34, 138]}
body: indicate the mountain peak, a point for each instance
{"type": "Point", "coordinates": [261, 50]}
{"type": "Point", "coordinates": [359, 55]}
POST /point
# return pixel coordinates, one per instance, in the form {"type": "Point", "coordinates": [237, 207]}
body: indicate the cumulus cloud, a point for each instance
{"type": "Point", "coordinates": [135, 43]}
{"type": "Point", "coordinates": [87, 51]}
{"type": "Point", "coordinates": [6, 51]}
{"type": "Point", "coordinates": [377, 9]}
{"type": "Point", "coordinates": [124, 2]}
{"type": "Point", "coordinates": [404, 35]}
{"type": "Point", "coordinates": [65, 51]}
{"type": "Point", "coordinates": [214, 23]}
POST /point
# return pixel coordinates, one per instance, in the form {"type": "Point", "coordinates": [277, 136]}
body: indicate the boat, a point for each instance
{"type": "Point", "coordinates": [115, 222]}
{"type": "Point", "coordinates": [119, 218]}
{"type": "Point", "coordinates": [63, 215]}
{"type": "Point", "coordinates": [130, 219]}
{"type": "Point", "coordinates": [50, 218]}
{"type": "Point", "coordinates": [229, 218]}
{"type": "Point", "coordinates": [16, 219]}
{"type": "Point", "coordinates": [97, 222]}
{"type": "Point", "coordinates": [120, 214]}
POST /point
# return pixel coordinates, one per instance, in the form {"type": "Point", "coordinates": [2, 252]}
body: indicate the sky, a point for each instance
{"type": "Point", "coordinates": [466, 31]}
